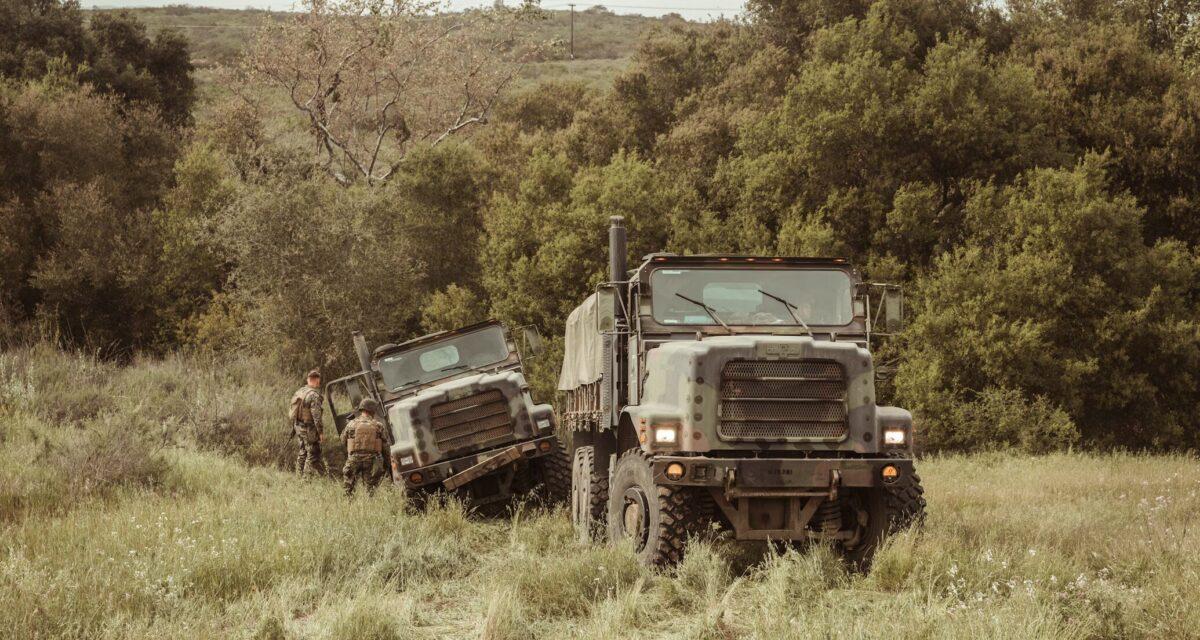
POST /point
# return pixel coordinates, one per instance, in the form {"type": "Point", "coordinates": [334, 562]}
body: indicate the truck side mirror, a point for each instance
{"type": "Point", "coordinates": [893, 309]}
{"type": "Point", "coordinates": [532, 341]}
{"type": "Point", "coordinates": [606, 309]}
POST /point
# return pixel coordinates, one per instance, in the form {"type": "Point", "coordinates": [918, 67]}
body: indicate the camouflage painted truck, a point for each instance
{"type": "Point", "coordinates": [737, 390]}
{"type": "Point", "coordinates": [459, 415]}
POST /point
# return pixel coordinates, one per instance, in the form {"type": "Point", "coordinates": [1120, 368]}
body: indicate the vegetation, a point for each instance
{"type": "Point", "coordinates": [172, 530]}
{"type": "Point", "coordinates": [218, 36]}
{"type": "Point", "coordinates": [1029, 173]}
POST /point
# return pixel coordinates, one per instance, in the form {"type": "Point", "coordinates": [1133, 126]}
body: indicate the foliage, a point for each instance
{"type": "Point", "coordinates": [215, 547]}
{"type": "Point", "coordinates": [315, 261]}
{"type": "Point", "coordinates": [112, 52]}
{"type": "Point", "coordinates": [1048, 260]}
{"type": "Point", "coordinates": [373, 78]}
{"type": "Point", "coordinates": [919, 139]}
{"type": "Point", "coordinates": [83, 253]}
{"type": "Point", "coordinates": [544, 250]}
{"type": "Point", "coordinates": [451, 308]}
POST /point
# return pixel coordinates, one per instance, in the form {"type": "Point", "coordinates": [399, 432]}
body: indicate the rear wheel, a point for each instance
{"type": "Point", "coordinates": [589, 496]}
{"type": "Point", "coordinates": [656, 519]}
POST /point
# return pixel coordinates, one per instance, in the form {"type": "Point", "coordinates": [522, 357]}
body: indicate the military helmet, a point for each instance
{"type": "Point", "coordinates": [369, 404]}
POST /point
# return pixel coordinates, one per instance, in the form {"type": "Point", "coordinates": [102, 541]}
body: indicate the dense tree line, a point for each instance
{"type": "Point", "coordinates": [1029, 173]}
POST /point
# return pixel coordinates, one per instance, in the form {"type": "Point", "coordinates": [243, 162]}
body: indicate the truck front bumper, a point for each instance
{"type": "Point", "coordinates": [461, 471]}
{"type": "Point", "coordinates": [777, 498]}
{"type": "Point", "coordinates": [798, 476]}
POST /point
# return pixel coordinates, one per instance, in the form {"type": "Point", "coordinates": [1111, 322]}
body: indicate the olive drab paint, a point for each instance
{"type": "Point", "coordinates": [775, 426]}
{"type": "Point", "coordinates": [454, 430]}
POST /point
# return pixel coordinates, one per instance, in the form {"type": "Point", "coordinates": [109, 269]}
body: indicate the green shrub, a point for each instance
{"type": "Point", "coordinates": [1054, 313]}
{"type": "Point", "coordinates": [105, 453]}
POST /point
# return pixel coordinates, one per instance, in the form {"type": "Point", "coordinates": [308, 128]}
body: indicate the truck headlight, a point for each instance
{"type": "Point", "coordinates": [664, 435]}
{"type": "Point", "coordinates": [893, 436]}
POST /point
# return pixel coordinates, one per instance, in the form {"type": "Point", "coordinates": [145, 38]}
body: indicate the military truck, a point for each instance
{"type": "Point", "coordinates": [736, 390]}
{"type": "Point", "coordinates": [459, 415]}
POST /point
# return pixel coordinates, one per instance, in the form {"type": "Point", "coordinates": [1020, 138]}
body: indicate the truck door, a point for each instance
{"type": "Point", "coordinates": [343, 396]}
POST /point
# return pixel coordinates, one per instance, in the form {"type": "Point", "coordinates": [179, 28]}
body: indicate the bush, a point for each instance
{"type": "Point", "coordinates": [1002, 419]}
{"type": "Point", "coordinates": [316, 261]}
{"type": "Point", "coordinates": [108, 452]}
{"type": "Point", "coordinates": [84, 253]}
{"type": "Point", "coordinates": [1054, 312]}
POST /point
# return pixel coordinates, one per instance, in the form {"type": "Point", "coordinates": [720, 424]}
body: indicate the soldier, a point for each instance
{"type": "Point", "coordinates": [306, 424]}
{"type": "Point", "coordinates": [364, 442]}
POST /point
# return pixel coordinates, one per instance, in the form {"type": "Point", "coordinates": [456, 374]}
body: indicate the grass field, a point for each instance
{"type": "Point", "coordinates": [142, 502]}
{"type": "Point", "coordinates": [217, 36]}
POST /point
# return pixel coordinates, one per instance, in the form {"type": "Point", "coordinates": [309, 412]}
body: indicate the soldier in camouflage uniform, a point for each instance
{"type": "Point", "coordinates": [306, 424]}
{"type": "Point", "coordinates": [364, 442]}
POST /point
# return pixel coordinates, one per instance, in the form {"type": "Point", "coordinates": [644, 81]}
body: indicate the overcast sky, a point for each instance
{"type": "Point", "coordinates": [691, 9]}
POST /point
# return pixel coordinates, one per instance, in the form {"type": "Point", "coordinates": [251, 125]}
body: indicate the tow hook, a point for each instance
{"type": "Point", "coordinates": [835, 480]}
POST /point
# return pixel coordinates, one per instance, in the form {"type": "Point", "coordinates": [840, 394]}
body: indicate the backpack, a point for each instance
{"type": "Point", "coordinates": [366, 438]}
{"type": "Point", "coordinates": [300, 412]}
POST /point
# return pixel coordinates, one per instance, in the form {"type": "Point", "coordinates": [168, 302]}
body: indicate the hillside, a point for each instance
{"type": "Point", "coordinates": [603, 40]}
{"type": "Point", "coordinates": [142, 502]}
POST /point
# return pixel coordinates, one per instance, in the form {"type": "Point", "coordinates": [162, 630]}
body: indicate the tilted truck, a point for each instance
{"type": "Point", "coordinates": [738, 390]}
{"type": "Point", "coordinates": [459, 415]}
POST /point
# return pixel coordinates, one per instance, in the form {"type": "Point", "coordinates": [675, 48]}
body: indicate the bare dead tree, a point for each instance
{"type": "Point", "coordinates": [374, 77]}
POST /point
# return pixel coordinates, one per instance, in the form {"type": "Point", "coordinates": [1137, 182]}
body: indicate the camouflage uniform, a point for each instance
{"type": "Point", "coordinates": [308, 430]}
{"type": "Point", "coordinates": [364, 442]}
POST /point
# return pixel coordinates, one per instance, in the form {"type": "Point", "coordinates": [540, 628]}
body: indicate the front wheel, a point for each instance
{"type": "Point", "coordinates": [889, 508]}
{"type": "Point", "coordinates": [555, 469]}
{"type": "Point", "coordinates": [656, 519]}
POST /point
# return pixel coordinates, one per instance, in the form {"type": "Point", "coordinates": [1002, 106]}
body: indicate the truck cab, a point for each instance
{"type": "Point", "coordinates": [459, 414]}
{"type": "Point", "coordinates": [739, 389]}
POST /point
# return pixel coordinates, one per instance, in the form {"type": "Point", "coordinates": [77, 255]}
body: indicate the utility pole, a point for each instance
{"type": "Point", "coordinates": [572, 30]}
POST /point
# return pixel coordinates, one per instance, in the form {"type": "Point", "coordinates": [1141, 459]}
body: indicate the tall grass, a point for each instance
{"type": "Point", "coordinates": [208, 542]}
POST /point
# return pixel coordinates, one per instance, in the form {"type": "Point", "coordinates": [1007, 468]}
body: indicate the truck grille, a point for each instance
{"type": "Point", "coordinates": [783, 400]}
{"type": "Point", "coordinates": [473, 421]}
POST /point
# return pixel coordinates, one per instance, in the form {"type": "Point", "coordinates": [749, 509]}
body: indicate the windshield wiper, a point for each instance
{"type": "Point", "coordinates": [789, 306]}
{"type": "Point", "coordinates": [453, 367]}
{"type": "Point", "coordinates": [712, 313]}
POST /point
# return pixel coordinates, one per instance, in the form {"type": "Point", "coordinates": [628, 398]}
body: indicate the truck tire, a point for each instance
{"type": "Point", "coordinates": [890, 508]}
{"type": "Point", "coordinates": [556, 470]}
{"type": "Point", "coordinates": [656, 519]}
{"type": "Point", "coordinates": [589, 496]}
{"type": "Point", "coordinates": [905, 502]}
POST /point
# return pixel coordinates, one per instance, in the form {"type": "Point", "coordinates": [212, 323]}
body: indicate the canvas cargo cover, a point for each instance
{"type": "Point", "coordinates": [583, 359]}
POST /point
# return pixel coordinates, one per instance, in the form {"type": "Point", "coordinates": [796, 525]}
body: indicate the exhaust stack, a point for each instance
{"type": "Point", "coordinates": [360, 348]}
{"type": "Point", "coordinates": [617, 266]}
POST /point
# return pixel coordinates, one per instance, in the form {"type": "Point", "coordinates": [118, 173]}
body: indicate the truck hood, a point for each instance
{"type": "Point", "coordinates": [684, 386]}
{"type": "Point", "coordinates": [466, 415]}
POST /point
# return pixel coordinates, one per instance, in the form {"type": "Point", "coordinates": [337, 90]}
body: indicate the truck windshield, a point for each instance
{"type": "Point", "coordinates": [736, 295]}
{"type": "Point", "coordinates": [448, 357]}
